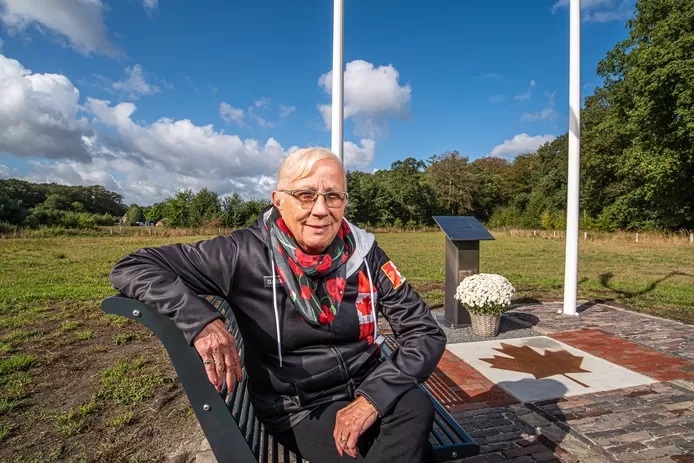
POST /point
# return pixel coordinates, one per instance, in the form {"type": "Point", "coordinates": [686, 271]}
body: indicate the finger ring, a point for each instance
{"type": "Point", "coordinates": [209, 362]}
{"type": "Point", "coordinates": [343, 440]}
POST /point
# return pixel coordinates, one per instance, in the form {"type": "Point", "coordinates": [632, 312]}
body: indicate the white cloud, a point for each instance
{"type": "Point", "coordinates": [135, 83]}
{"type": "Point", "coordinates": [5, 172]}
{"type": "Point", "coordinates": [1, 43]}
{"type": "Point", "coordinates": [40, 114]}
{"type": "Point", "coordinates": [546, 114]}
{"type": "Point", "coordinates": [186, 148]}
{"type": "Point", "coordinates": [601, 11]}
{"type": "Point", "coordinates": [146, 162]}
{"type": "Point", "coordinates": [526, 96]}
{"type": "Point", "coordinates": [286, 110]}
{"type": "Point", "coordinates": [496, 99]}
{"type": "Point", "coordinates": [150, 5]}
{"type": "Point", "coordinates": [262, 122]}
{"type": "Point", "coordinates": [73, 173]}
{"type": "Point", "coordinates": [149, 163]}
{"type": "Point", "coordinates": [371, 94]}
{"type": "Point", "coordinates": [357, 158]}
{"type": "Point", "coordinates": [81, 22]}
{"type": "Point", "coordinates": [260, 105]}
{"type": "Point", "coordinates": [521, 143]}
{"type": "Point", "coordinates": [261, 102]}
{"type": "Point", "coordinates": [231, 114]}
{"type": "Point", "coordinates": [262, 112]}
{"type": "Point", "coordinates": [147, 183]}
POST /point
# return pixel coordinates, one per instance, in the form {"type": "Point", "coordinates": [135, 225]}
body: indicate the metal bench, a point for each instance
{"type": "Point", "coordinates": [231, 427]}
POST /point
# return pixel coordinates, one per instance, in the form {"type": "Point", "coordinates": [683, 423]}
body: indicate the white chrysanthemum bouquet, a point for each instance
{"type": "Point", "coordinates": [485, 294]}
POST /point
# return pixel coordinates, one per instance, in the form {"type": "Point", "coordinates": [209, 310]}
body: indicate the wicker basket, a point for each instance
{"type": "Point", "coordinates": [485, 325]}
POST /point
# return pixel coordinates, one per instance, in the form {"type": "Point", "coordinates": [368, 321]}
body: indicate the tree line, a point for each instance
{"type": "Point", "coordinates": [205, 208]}
{"type": "Point", "coordinates": [34, 205]}
{"type": "Point", "coordinates": [637, 162]}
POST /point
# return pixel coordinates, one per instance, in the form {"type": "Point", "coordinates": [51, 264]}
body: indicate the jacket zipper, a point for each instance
{"type": "Point", "coordinates": [341, 362]}
{"type": "Point", "coordinates": [336, 351]}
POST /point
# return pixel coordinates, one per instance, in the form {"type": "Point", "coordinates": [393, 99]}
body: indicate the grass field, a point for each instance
{"type": "Point", "coordinates": [101, 386]}
{"type": "Point", "coordinates": [655, 278]}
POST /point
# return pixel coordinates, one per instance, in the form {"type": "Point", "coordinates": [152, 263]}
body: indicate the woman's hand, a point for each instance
{"type": "Point", "coordinates": [217, 348]}
{"type": "Point", "coordinates": [351, 422]}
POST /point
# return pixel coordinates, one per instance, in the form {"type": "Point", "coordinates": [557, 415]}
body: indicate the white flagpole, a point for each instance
{"type": "Point", "coordinates": [338, 122]}
{"type": "Point", "coordinates": [571, 263]}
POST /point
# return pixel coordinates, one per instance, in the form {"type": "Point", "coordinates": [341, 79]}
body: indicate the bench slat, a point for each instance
{"type": "Point", "coordinates": [275, 451]}
{"type": "Point", "coordinates": [245, 415]}
{"type": "Point", "coordinates": [440, 440]}
{"type": "Point", "coordinates": [255, 445]}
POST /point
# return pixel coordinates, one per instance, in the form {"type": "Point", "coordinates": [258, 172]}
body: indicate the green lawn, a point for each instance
{"type": "Point", "coordinates": [652, 278]}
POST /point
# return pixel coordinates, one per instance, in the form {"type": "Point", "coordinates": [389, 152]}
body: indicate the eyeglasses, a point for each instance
{"type": "Point", "coordinates": [307, 198]}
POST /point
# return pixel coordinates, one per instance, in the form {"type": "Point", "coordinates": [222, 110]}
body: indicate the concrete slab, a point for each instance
{"type": "Point", "coordinates": [541, 368]}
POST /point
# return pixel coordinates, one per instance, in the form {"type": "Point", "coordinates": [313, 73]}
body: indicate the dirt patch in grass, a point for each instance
{"type": "Point", "coordinates": [76, 385]}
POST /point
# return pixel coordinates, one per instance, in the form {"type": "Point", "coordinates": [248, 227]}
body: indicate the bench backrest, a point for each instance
{"type": "Point", "coordinates": [264, 447]}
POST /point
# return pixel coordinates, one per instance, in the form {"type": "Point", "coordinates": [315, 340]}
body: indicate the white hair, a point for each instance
{"type": "Point", "coordinates": [299, 163]}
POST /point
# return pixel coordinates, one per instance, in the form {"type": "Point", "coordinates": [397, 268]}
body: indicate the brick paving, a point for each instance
{"type": "Point", "coordinates": [458, 386]}
{"type": "Point", "coordinates": [643, 423]}
{"type": "Point", "coordinates": [644, 360]}
{"type": "Point", "coordinates": [667, 336]}
{"type": "Point", "coordinates": [650, 423]}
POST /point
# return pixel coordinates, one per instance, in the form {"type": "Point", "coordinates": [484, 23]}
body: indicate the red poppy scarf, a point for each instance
{"type": "Point", "coordinates": [315, 282]}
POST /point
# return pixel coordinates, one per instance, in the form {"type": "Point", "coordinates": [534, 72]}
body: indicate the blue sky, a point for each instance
{"type": "Point", "coordinates": [147, 97]}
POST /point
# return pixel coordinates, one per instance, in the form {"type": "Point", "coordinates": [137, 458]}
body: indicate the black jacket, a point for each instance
{"type": "Point", "coordinates": [319, 365]}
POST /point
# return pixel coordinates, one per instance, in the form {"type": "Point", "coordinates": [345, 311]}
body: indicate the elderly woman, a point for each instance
{"type": "Point", "coordinates": [306, 287]}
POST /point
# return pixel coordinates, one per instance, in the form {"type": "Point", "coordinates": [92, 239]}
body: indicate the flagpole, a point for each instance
{"type": "Point", "coordinates": [572, 200]}
{"type": "Point", "coordinates": [338, 122]}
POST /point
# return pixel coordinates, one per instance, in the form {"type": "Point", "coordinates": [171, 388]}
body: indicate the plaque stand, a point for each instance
{"type": "Point", "coordinates": [463, 235]}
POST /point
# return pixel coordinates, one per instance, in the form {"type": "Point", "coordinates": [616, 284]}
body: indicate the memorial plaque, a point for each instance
{"type": "Point", "coordinates": [462, 228]}
{"type": "Point", "coordinates": [463, 235]}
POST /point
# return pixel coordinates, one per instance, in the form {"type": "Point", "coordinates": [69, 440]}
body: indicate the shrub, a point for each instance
{"type": "Point", "coordinates": [546, 220]}
{"type": "Point", "coordinates": [505, 217]}
{"type": "Point", "coordinates": [7, 227]}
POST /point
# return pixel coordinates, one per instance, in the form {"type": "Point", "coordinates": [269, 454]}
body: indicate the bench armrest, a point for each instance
{"type": "Point", "coordinates": [222, 432]}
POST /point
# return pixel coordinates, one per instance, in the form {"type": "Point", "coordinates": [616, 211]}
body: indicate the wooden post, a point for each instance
{"type": "Point", "coordinates": [637, 237]}
{"type": "Point", "coordinates": [691, 238]}
{"type": "Point", "coordinates": [585, 236]}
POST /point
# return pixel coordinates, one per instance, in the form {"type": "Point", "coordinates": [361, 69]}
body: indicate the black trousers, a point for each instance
{"type": "Point", "coordinates": [402, 436]}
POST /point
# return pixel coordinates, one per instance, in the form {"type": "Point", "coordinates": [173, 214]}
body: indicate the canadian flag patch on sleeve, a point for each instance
{"type": "Point", "coordinates": [393, 274]}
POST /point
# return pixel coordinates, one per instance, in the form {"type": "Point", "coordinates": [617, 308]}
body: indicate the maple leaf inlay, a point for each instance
{"type": "Point", "coordinates": [525, 359]}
